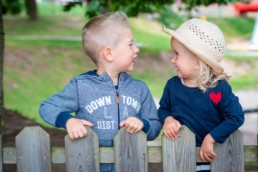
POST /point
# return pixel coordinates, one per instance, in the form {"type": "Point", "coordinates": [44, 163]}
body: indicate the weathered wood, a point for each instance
{"type": "Point", "coordinates": [33, 150]}
{"type": "Point", "coordinates": [33, 138]}
{"type": "Point", "coordinates": [180, 155]}
{"type": "Point", "coordinates": [58, 155]}
{"type": "Point", "coordinates": [107, 154]}
{"type": "Point", "coordinates": [82, 154]}
{"type": "Point", "coordinates": [9, 155]}
{"type": "Point", "coordinates": [230, 156]}
{"type": "Point", "coordinates": [130, 152]}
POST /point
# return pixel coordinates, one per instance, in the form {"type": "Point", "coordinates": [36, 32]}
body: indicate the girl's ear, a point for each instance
{"type": "Point", "coordinates": [107, 52]}
{"type": "Point", "coordinates": [198, 63]}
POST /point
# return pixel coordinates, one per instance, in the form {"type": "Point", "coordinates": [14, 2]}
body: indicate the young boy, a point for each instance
{"type": "Point", "coordinates": [107, 98]}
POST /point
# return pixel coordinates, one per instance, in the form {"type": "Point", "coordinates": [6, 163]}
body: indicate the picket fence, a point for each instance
{"type": "Point", "coordinates": [131, 153]}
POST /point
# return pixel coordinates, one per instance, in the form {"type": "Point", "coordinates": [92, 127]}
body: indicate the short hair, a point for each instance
{"type": "Point", "coordinates": [102, 31]}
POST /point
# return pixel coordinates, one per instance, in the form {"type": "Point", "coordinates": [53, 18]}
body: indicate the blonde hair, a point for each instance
{"type": "Point", "coordinates": [102, 31]}
{"type": "Point", "coordinates": [208, 79]}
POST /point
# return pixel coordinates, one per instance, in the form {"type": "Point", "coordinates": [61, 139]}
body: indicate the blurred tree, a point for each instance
{"type": "Point", "coordinates": [14, 7]}
{"type": "Point", "coordinates": [31, 9]}
{"type": "Point", "coordinates": [133, 8]}
{"type": "Point", "coordinates": [1, 77]}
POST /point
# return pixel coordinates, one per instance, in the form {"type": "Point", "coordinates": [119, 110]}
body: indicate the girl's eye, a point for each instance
{"type": "Point", "coordinates": [175, 53]}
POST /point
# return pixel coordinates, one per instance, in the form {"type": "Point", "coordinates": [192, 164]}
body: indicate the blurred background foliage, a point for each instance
{"type": "Point", "coordinates": [43, 53]}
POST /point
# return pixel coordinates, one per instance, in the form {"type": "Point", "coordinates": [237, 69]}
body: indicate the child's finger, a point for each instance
{"type": "Point", "coordinates": [213, 155]}
{"type": "Point", "coordinates": [174, 133]}
{"type": "Point", "coordinates": [201, 156]}
{"type": "Point", "coordinates": [122, 124]}
{"type": "Point", "coordinates": [70, 134]}
{"type": "Point", "coordinates": [80, 134]}
{"type": "Point", "coordinates": [168, 134]}
{"type": "Point", "coordinates": [84, 131]}
{"type": "Point", "coordinates": [75, 135]}
{"type": "Point", "coordinates": [84, 122]}
{"type": "Point", "coordinates": [207, 157]}
{"type": "Point", "coordinates": [131, 127]}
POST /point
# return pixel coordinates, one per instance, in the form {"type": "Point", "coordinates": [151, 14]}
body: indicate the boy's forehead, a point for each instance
{"type": "Point", "coordinates": [127, 34]}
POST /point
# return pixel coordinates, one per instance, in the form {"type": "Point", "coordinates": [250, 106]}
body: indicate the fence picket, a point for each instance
{"type": "Point", "coordinates": [179, 155]}
{"type": "Point", "coordinates": [33, 150]}
{"type": "Point", "coordinates": [230, 154]}
{"type": "Point", "coordinates": [130, 152]}
{"type": "Point", "coordinates": [82, 155]}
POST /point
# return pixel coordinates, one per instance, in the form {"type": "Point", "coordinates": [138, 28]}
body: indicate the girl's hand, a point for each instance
{"type": "Point", "coordinates": [171, 128]}
{"type": "Point", "coordinates": [206, 151]}
{"type": "Point", "coordinates": [76, 128]}
{"type": "Point", "coordinates": [132, 124]}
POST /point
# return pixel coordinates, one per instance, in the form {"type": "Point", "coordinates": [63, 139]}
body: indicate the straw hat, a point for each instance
{"type": "Point", "coordinates": [204, 39]}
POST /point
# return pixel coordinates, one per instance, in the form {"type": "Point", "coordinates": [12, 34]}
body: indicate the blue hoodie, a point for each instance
{"type": "Point", "coordinates": [93, 98]}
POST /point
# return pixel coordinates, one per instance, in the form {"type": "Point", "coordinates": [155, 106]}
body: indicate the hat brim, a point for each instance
{"type": "Point", "coordinates": [217, 69]}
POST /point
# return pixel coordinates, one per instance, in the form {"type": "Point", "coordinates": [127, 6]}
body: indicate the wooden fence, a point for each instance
{"type": "Point", "coordinates": [131, 153]}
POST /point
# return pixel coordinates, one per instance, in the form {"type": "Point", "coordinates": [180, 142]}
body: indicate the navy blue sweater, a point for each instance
{"type": "Point", "coordinates": [216, 111]}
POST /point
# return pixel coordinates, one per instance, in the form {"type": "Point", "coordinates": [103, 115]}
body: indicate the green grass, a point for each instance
{"type": "Point", "coordinates": [38, 67]}
{"type": "Point", "coordinates": [235, 27]}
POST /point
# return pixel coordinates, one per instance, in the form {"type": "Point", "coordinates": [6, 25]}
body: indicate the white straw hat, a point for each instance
{"type": "Point", "coordinates": [204, 39]}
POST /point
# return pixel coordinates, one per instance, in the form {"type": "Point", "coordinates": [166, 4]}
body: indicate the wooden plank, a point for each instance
{"type": "Point", "coordinates": [179, 155]}
{"type": "Point", "coordinates": [58, 155]}
{"type": "Point", "coordinates": [9, 155]}
{"type": "Point", "coordinates": [250, 153]}
{"type": "Point", "coordinates": [33, 150]}
{"type": "Point", "coordinates": [107, 154]}
{"type": "Point", "coordinates": [154, 154]}
{"type": "Point", "coordinates": [130, 151]}
{"type": "Point", "coordinates": [82, 154]}
{"type": "Point", "coordinates": [230, 157]}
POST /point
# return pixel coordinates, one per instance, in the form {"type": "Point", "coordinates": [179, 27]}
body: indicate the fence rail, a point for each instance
{"type": "Point", "coordinates": [131, 152]}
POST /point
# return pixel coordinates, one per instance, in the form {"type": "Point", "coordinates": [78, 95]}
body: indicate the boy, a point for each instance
{"type": "Point", "coordinates": [107, 98]}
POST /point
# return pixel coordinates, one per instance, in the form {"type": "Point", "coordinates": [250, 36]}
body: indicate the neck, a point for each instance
{"type": "Point", "coordinates": [190, 82]}
{"type": "Point", "coordinates": [113, 75]}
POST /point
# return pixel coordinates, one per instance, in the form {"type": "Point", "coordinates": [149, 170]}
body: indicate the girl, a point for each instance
{"type": "Point", "coordinates": [199, 96]}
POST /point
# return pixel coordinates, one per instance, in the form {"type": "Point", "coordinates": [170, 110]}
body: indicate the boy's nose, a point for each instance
{"type": "Point", "coordinates": [136, 49]}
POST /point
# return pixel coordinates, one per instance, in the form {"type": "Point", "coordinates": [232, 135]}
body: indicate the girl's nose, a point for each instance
{"type": "Point", "coordinates": [172, 60]}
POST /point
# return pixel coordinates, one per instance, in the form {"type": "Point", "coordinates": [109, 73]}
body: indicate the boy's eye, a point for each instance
{"type": "Point", "coordinates": [131, 44]}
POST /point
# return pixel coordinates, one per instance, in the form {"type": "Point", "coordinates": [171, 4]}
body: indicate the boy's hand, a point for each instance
{"type": "Point", "coordinates": [206, 151]}
{"type": "Point", "coordinates": [171, 128]}
{"type": "Point", "coordinates": [132, 124]}
{"type": "Point", "coordinates": [76, 128]}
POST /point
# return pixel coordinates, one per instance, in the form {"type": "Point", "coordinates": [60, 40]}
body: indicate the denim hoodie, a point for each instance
{"type": "Point", "coordinates": [96, 99]}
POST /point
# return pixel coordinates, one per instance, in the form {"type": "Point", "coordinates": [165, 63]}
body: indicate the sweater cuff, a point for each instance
{"type": "Point", "coordinates": [163, 117]}
{"type": "Point", "coordinates": [62, 118]}
{"type": "Point", "coordinates": [146, 125]}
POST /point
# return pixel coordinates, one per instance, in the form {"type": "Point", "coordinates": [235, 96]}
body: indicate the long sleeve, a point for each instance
{"type": "Point", "coordinates": [62, 103]}
{"type": "Point", "coordinates": [233, 113]}
{"type": "Point", "coordinates": [148, 113]}
{"type": "Point", "coordinates": [165, 105]}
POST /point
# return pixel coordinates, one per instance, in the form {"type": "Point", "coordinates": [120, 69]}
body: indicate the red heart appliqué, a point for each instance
{"type": "Point", "coordinates": [215, 97]}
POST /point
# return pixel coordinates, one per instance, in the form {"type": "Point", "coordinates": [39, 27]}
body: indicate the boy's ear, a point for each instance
{"type": "Point", "coordinates": [108, 54]}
